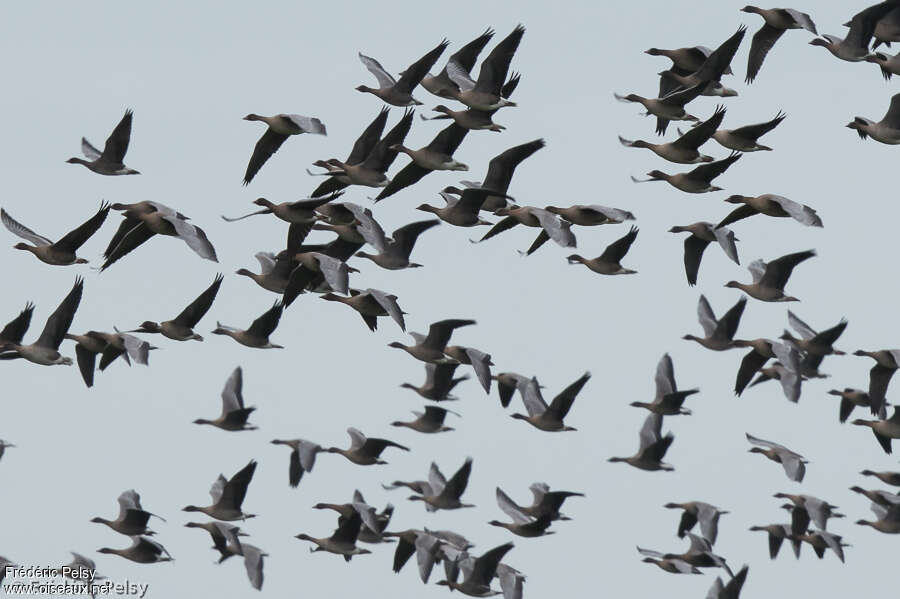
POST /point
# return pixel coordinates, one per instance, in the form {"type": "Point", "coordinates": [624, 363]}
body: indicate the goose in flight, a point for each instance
{"type": "Point", "coordinates": [181, 328]}
{"type": "Point", "coordinates": [257, 335]}
{"type": "Point", "coordinates": [132, 519]}
{"type": "Point", "coordinates": [777, 21]}
{"type": "Point", "coordinates": [234, 415]}
{"type": "Point", "coordinates": [550, 417]}
{"type": "Point", "coordinates": [110, 160]}
{"type": "Point", "coordinates": [280, 127]}
{"type": "Point", "coordinates": [303, 457]}
{"type": "Point", "coordinates": [610, 261]}
{"type": "Point", "coordinates": [228, 496]}
{"type": "Point", "coordinates": [61, 253]}
{"type": "Point", "coordinates": [769, 278]}
{"type": "Point", "coordinates": [398, 92]}
{"type": "Point", "coordinates": [701, 235]}
{"type": "Point", "coordinates": [44, 351]}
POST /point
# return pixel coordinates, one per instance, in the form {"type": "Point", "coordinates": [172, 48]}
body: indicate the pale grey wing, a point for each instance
{"type": "Point", "coordinates": [89, 151]}
{"type": "Point", "coordinates": [358, 497]}
{"type": "Point", "coordinates": [459, 76]}
{"type": "Point", "coordinates": [880, 511]}
{"type": "Point", "coordinates": [510, 508]}
{"type": "Point", "coordinates": [708, 517]}
{"type": "Point", "coordinates": [230, 533]}
{"type": "Point", "coordinates": [455, 539]}
{"type": "Point", "coordinates": [22, 231]}
{"type": "Point", "coordinates": [481, 362]}
{"type": "Point", "coordinates": [335, 272]}
{"type": "Point", "coordinates": [650, 553]}
{"type": "Point", "coordinates": [801, 327]}
{"type": "Point", "coordinates": [79, 560]}
{"type": "Point", "coordinates": [129, 500]}
{"type": "Point", "coordinates": [370, 230]}
{"type": "Point", "coordinates": [817, 510]}
{"type": "Point", "coordinates": [764, 443]}
{"type": "Point", "coordinates": [357, 439]}
{"type": "Point", "coordinates": [390, 305]}
{"type": "Point", "coordinates": [791, 379]}
{"type": "Point", "coordinates": [194, 237]}
{"type": "Point", "coordinates": [757, 269]}
{"type": "Point", "coordinates": [665, 377]}
{"type": "Point", "coordinates": [137, 348]}
{"type": "Point", "coordinates": [436, 479]}
{"type": "Point", "coordinates": [834, 543]}
{"type": "Point", "coordinates": [384, 78]}
{"type": "Point", "coordinates": [895, 353]}
{"type": "Point", "coordinates": [726, 240]}
{"type": "Point", "coordinates": [253, 561]}
{"type": "Point", "coordinates": [308, 451]}
{"type": "Point", "coordinates": [419, 338]}
{"type": "Point", "coordinates": [612, 213]}
{"type": "Point", "coordinates": [799, 212]}
{"type": "Point", "coordinates": [511, 581]}
{"type": "Point", "coordinates": [532, 398]}
{"type": "Point", "coordinates": [682, 566]}
{"type": "Point", "coordinates": [307, 124]}
{"type": "Point", "coordinates": [706, 317]}
{"type": "Point", "coordinates": [217, 489]}
{"type": "Point", "coordinates": [698, 544]}
{"type": "Point", "coordinates": [559, 230]}
{"type": "Point", "coordinates": [802, 19]}
{"type": "Point", "coordinates": [651, 431]}
{"type": "Point", "coordinates": [426, 554]}
{"type": "Point", "coordinates": [538, 490]}
{"type": "Point", "coordinates": [166, 210]}
{"type": "Point", "coordinates": [367, 514]}
{"type": "Point", "coordinates": [450, 199]}
{"type": "Point", "coordinates": [266, 262]}
{"type": "Point", "coordinates": [715, 591]}
{"type": "Point", "coordinates": [232, 399]}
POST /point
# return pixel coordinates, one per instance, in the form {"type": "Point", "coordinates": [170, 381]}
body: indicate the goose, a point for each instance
{"type": "Point", "coordinates": [770, 205]}
{"type": "Point", "coordinates": [441, 85]}
{"type": "Point", "coordinates": [508, 383]}
{"type": "Point", "coordinates": [44, 351]}
{"type": "Point", "coordinates": [761, 350]}
{"type": "Point", "coordinates": [888, 478]}
{"type": "Point", "coordinates": [257, 335]}
{"type": "Point", "coordinates": [87, 348]}
{"type": "Point", "coordinates": [318, 268]}
{"type": "Point", "coordinates": [746, 139]}
{"type": "Point", "coordinates": [550, 418]}
{"type": "Point", "coordinates": [701, 235]}
{"type": "Point", "coordinates": [141, 551]}
{"type": "Point", "coordinates": [888, 520]}
{"type": "Point", "coordinates": [668, 400]}
{"type": "Point", "coordinates": [342, 541]}
{"type": "Point", "coordinates": [362, 149]}
{"type": "Point", "coordinates": [122, 344]}
{"type": "Point", "coordinates": [815, 345]}
{"type": "Point", "coordinates": [884, 430]}
{"type": "Point", "coordinates": [777, 21]}
{"type": "Point", "coordinates": [473, 119]}
{"type": "Point", "coordinates": [394, 253]}
{"type": "Point", "coordinates": [855, 46]}
{"type": "Point", "coordinates": [822, 540]}
{"type": "Point", "coordinates": [522, 525]}
{"type": "Point", "coordinates": [500, 172]}
{"type": "Point", "coordinates": [806, 508]}
{"type": "Point", "coordinates": [591, 215]}
{"type": "Point", "coordinates": [374, 534]}
{"type": "Point", "coordinates": [887, 130]}
{"type": "Point", "coordinates": [146, 219]}
{"type": "Point", "coordinates": [348, 510]}
{"type": "Point", "coordinates": [653, 447]}
{"type": "Point", "coordinates": [769, 278]}
{"type": "Point", "coordinates": [545, 502]}
{"type": "Point", "coordinates": [667, 108]}
{"type": "Point", "coordinates": [109, 161]}
{"type": "Point", "coordinates": [335, 272]}
{"type": "Point", "coordinates": [253, 563]}
{"type": "Point", "coordinates": [479, 574]}
{"type": "Point", "coordinates": [731, 590]}
{"type": "Point", "coordinates": [887, 361]}
{"type": "Point", "coordinates": [132, 519]}
{"type": "Point", "coordinates": [422, 487]}
{"type": "Point", "coordinates": [280, 127]}
{"type": "Point", "coordinates": [687, 59]}
{"type": "Point", "coordinates": [699, 555]}
{"type": "Point", "coordinates": [697, 511]}
{"type": "Point", "coordinates": [302, 213]}
{"type": "Point", "coordinates": [274, 271]}
{"type": "Point", "coordinates": [794, 464]}
{"type": "Point", "coordinates": [610, 261]}
{"type": "Point", "coordinates": [225, 537]}
{"type": "Point", "coordinates": [82, 569]}
{"type": "Point", "coordinates": [887, 29]}
{"type": "Point", "coordinates": [478, 360]}
{"type": "Point", "coordinates": [672, 566]}
{"type": "Point", "coordinates": [430, 348]}
{"type": "Point", "coordinates": [228, 496]}
{"type": "Point", "coordinates": [234, 415]}
{"type": "Point", "coordinates": [885, 499]}
{"type": "Point", "coordinates": [443, 494]}
{"type": "Point", "coordinates": [371, 303]}
{"type": "Point", "coordinates": [890, 65]}
{"type": "Point", "coordinates": [787, 370]}
{"type": "Point", "coordinates": [426, 546]}
{"type": "Point", "coordinates": [181, 328]}
{"type": "Point", "coordinates": [712, 69]}
{"type": "Point", "coordinates": [4, 445]}
{"type": "Point", "coordinates": [363, 450]}
{"type": "Point", "coordinates": [777, 533]}
{"type": "Point", "coordinates": [552, 227]}
{"type": "Point", "coordinates": [684, 150]}
{"type": "Point", "coordinates": [439, 381]}
{"type": "Point", "coordinates": [303, 457]}
{"type": "Point", "coordinates": [698, 180]}
{"type": "Point", "coordinates": [461, 209]}
{"type": "Point", "coordinates": [61, 253]}
{"type": "Point", "coordinates": [398, 92]}
{"type": "Point", "coordinates": [436, 156]}
{"type": "Point", "coordinates": [485, 93]}
{"type": "Point", "coordinates": [719, 333]}
{"type": "Point", "coordinates": [429, 421]}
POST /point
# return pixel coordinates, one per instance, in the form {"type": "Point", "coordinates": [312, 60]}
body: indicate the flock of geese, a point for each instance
{"type": "Point", "coordinates": [305, 269]}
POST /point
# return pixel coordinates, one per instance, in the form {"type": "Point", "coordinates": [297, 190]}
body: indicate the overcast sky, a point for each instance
{"type": "Point", "coordinates": [190, 72]}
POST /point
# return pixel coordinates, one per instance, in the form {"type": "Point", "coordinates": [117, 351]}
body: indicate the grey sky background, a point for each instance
{"type": "Point", "coordinates": [191, 72]}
